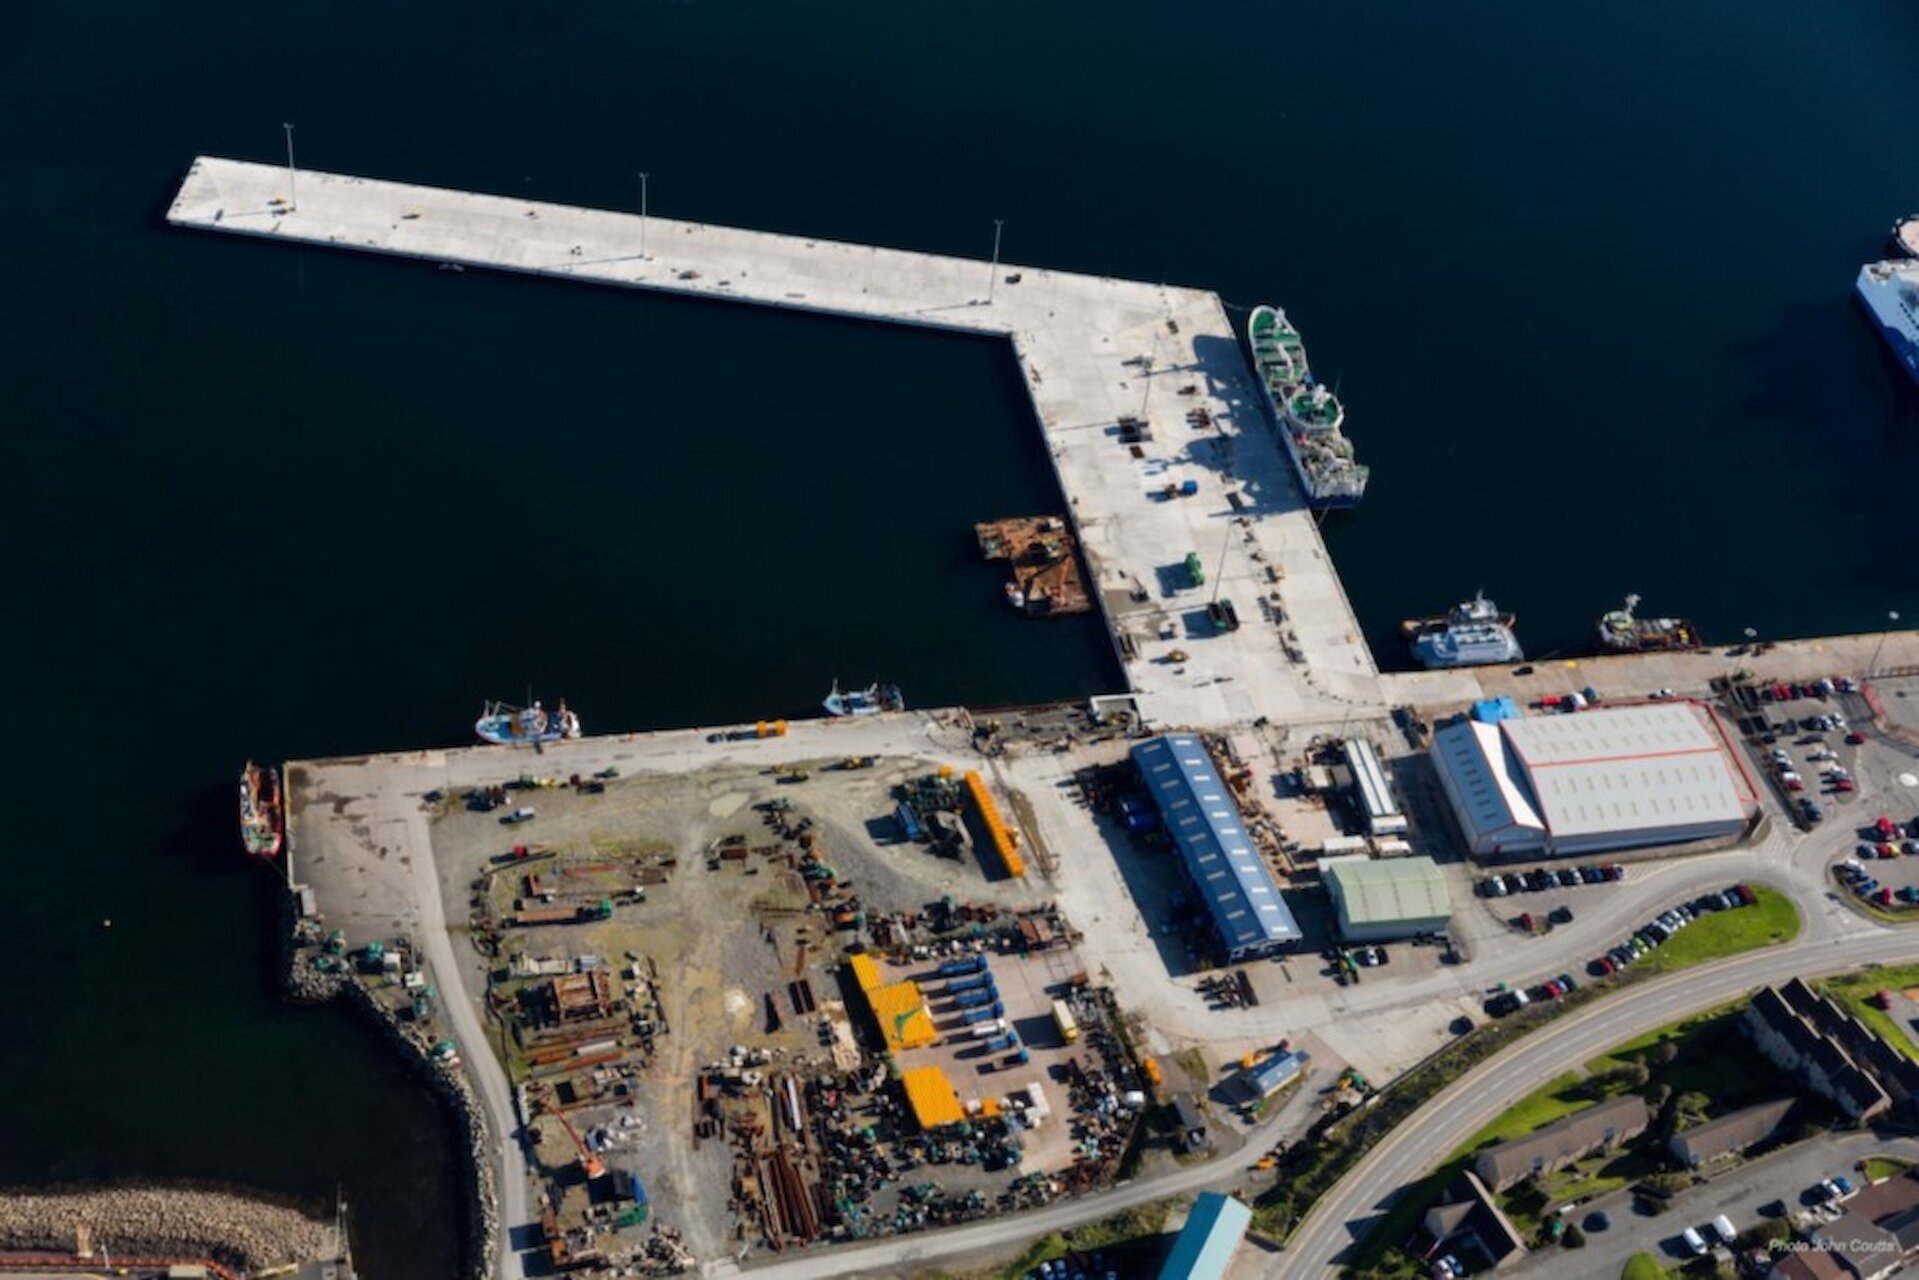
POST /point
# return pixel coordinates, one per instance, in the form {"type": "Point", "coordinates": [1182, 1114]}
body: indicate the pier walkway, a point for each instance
{"type": "Point", "coordinates": [1092, 350]}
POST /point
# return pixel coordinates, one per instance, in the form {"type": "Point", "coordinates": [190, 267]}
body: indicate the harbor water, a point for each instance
{"type": "Point", "coordinates": [1580, 272]}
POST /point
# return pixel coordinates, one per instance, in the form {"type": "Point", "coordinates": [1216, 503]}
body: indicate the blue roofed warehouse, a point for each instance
{"type": "Point", "coordinates": [1207, 1242]}
{"type": "Point", "coordinates": [1225, 867]}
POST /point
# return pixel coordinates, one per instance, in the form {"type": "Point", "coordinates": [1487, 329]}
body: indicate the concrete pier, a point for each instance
{"type": "Point", "coordinates": [1092, 350]}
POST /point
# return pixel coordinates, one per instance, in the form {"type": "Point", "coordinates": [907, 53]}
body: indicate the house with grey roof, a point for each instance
{"type": "Point", "coordinates": [1809, 1264]}
{"type": "Point", "coordinates": [1878, 1232]}
{"type": "Point", "coordinates": [1707, 1144]}
{"type": "Point", "coordinates": [1602, 1128]}
{"type": "Point", "coordinates": [1897, 1074]}
{"type": "Point", "coordinates": [1469, 1222]}
{"type": "Point", "coordinates": [1800, 1031]}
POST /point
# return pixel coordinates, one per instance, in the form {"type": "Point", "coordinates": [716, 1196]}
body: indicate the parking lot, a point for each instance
{"type": "Point", "coordinates": [1805, 744]}
{"type": "Point", "coordinates": [1883, 866]}
{"type": "Point", "coordinates": [1764, 1190]}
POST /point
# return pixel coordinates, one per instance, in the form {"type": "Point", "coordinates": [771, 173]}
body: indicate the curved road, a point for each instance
{"type": "Point", "coordinates": [1481, 1095]}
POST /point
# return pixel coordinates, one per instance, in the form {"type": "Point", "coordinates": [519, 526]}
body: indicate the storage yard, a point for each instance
{"type": "Point", "coordinates": [747, 1008]}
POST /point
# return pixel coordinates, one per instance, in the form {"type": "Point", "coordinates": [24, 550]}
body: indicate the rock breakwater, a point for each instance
{"type": "Point", "coordinates": [236, 1230]}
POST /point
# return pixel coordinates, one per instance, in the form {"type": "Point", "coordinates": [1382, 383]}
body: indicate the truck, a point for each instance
{"type": "Point", "coordinates": [563, 914]}
{"type": "Point", "coordinates": [987, 1030]}
{"type": "Point", "coordinates": [975, 999]}
{"type": "Point", "coordinates": [962, 967]}
{"type": "Point", "coordinates": [981, 1014]}
{"type": "Point", "coordinates": [1000, 1044]}
{"type": "Point", "coordinates": [1064, 1020]}
{"type": "Point", "coordinates": [972, 982]}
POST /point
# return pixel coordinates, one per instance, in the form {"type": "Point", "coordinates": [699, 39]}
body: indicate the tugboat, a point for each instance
{"type": "Point", "coordinates": [508, 726]}
{"type": "Point", "coordinates": [1621, 632]}
{"type": "Point", "coordinates": [262, 817]}
{"type": "Point", "coordinates": [1474, 633]}
{"type": "Point", "coordinates": [870, 701]}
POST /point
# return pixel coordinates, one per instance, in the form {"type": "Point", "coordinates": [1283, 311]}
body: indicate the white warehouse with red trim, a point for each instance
{"type": "Point", "coordinates": [1608, 778]}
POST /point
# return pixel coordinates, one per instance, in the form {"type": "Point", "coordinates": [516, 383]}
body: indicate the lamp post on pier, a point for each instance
{"type": "Point", "coordinates": [293, 194]}
{"type": "Point", "coordinates": [643, 178]}
{"type": "Point", "coordinates": [992, 277]}
{"type": "Point", "coordinates": [1892, 620]}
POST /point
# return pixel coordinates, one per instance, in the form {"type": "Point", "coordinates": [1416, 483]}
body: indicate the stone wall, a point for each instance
{"type": "Point", "coordinates": [306, 984]}
{"type": "Point", "coordinates": [235, 1230]}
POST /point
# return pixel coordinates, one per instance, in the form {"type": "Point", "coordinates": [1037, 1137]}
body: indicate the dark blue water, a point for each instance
{"type": "Point", "coordinates": [1581, 272]}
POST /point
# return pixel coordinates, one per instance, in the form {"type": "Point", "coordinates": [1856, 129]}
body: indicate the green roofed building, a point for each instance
{"type": "Point", "coordinates": [1388, 898]}
{"type": "Point", "coordinates": [1209, 1239]}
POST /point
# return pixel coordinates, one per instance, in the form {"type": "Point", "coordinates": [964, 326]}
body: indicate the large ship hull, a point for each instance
{"type": "Point", "coordinates": [1889, 291]}
{"type": "Point", "coordinates": [1498, 653]}
{"type": "Point", "coordinates": [1317, 499]}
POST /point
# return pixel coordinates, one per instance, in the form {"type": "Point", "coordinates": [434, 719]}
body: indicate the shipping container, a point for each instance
{"type": "Point", "coordinates": [987, 1030]}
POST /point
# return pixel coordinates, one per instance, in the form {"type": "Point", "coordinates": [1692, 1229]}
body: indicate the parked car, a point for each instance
{"type": "Point", "coordinates": [1856, 738]}
{"type": "Point", "coordinates": [1722, 1227]}
{"type": "Point", "coordinates": [1695, 1241]}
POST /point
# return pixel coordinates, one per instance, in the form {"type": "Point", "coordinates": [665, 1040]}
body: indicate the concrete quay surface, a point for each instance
{"type": "Point", "coordinates": [1091, 349]}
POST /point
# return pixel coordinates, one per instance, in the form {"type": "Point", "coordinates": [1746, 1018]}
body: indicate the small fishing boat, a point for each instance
{"type": "Point", "coordinates": [1015, 597]}
{"type": "Point", "coordinates": [509, 726]}
{"type": "Point", "coordinates": [262, 815]}
{"type": "Point", "coordinates": [870, 701]}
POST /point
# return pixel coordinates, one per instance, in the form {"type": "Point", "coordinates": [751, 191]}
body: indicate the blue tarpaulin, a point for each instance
{"type": "Point", "coordinates": [1493, 710]}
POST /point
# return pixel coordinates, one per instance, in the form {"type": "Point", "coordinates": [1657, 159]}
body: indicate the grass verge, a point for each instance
{"type": "Point", "coordinates": [1879, 1168]}
{"type": "Point", "coordinates": [1769, 921]}
{"type": "Point", "coordinates": [1854, 992]}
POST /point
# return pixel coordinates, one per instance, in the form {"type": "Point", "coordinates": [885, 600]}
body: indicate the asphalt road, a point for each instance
{"type": "Point", "coordinates": [1480, 1096]}
{"type": "Point", "coordinates": [483, 1067]}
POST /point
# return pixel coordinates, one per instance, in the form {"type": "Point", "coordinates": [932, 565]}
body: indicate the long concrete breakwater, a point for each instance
{"type": "Point", "coordinates": [1092, 350]}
